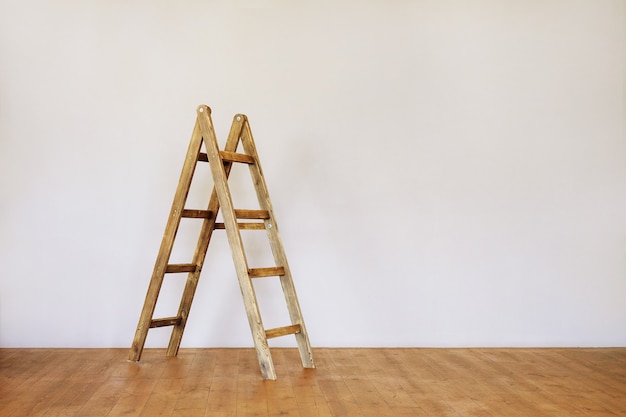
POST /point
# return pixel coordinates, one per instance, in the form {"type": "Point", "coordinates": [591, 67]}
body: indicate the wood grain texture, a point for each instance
{"type": "Point", "coordinates": [243, 226]}
{"type": "Point", "coordinates": [283, 331]}
{"type": "Point", "coordinates": [167, 243]}
{"type": "Point", "coordinates": [236, 157]}
{"type": "Point", "coordinates": [229, 215]}
{"type": "Point", "coordinates": [221, 163]}
{"type": "Point", "coordinates": [278, 250]}
{"type": "Point", "coordinates": [274, 271]}
{"type": "Point", "coordinates": [347, 382]}
{"type": "Point", "coordinates": [206, 231]}
{"type": "Point", "coordinates": [251, 214]}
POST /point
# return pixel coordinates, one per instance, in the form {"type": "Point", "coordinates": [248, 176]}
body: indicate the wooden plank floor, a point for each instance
{"type": "Point", "coordinates": [347, 382]}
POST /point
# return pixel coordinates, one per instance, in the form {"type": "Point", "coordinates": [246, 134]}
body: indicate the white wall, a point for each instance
{"type": "Point", "coordinates": [445, 173]}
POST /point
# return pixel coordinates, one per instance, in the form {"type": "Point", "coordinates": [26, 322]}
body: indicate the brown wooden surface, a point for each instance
{"type": "Point", "coordinates": [221, 163]}
{"type": "Point", "coordinates": [273, 271]}
{"type": "Point", "coordinates": [197, 214]}
{"type": "Point", "coordinates": [251, 214]}
{"type": "Point", "coordinates": [229, 215]}
{"type": "Point", "coordinates": [167, 243]}
{"type": "Point", "coordinates": [176, 268]}
{"type": "Point", "coordinates": [283, 331]}
{"type": "Point", "coordinates": [278, 250]}
{"type": "Point", "coordinates": [164, 322]}
{"type": "Point", "coordinates": [206, 231]}
{"type": "Point", "coordinates": [236, 157]}
{"type": "Point", "coordinates": [244, 226]}
{"type": "Point", "coordinates": [347, 382]}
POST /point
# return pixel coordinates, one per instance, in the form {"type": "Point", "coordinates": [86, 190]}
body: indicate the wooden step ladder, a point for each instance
{"type": "Point", "coordinates": [221, 163]}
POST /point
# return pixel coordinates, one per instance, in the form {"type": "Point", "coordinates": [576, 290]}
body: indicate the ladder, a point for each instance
{"type": "Point", "coordinates": [221, 163]}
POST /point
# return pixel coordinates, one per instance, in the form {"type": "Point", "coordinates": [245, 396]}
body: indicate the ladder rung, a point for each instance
{"type": "Point", "coordinates": [167, 321]}
{"type": "Point", "coordinates": [229, 157]}
{"type": "Point", "coordinates": [197, 214]}
{"type": "Point", "coordinates": [236, 157]}
{"type": "Point", "coordinates": [283, 331]}
{"type": "Point", "coordinates": [252, 214]}
{"type": "Point", "coordinates": [173, 268]}
{"type": "Point", "coordinates": [275, 271]}
{"type": "Point", "coordinates": [243, 226]}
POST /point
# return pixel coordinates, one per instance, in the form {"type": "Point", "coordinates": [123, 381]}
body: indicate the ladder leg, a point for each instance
{"type": "Point", "coordinates": [167, 243]}
{"type": "Point", "coordinates": [208, 225]}
{"type": "Point", "coordinates": [236, 245]}
{"type": "Point", "coordinates": [293, 306]}
{"type": "Point", "coordinates": [199, 256]}
{"type": "Point", "coordinates": [286, 280]}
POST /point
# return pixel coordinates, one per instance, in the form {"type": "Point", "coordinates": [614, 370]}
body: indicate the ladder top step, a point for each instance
{"type": "Point", "coordinates": [283, 331]}
{"type": "Point", "coordinates": [275, 271]}
{"type": "Point", "coordinates": [229, 157]}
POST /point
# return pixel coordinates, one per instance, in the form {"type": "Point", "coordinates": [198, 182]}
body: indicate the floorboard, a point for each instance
{"type": "Point", "coordinates": [347, 382]}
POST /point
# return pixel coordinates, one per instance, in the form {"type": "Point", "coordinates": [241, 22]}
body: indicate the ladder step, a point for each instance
{"type": "Point", "coordinates": [202, 157]}
{"type": "Point", "coordinates": [174, 268]}
{"type": "Point", "coordinates": [236, 157]}
{"type": "Point", "coordinates": [243, 226]}
{"type": "Point", "coordinates": [283, 331]}
{"type": "Point", "coordinates": [197, 214]}
{"type": "Point", "coordinates": [252, 214]}
{"type": "Point", "coordinates": [275, 271]}
{"type": "Point", "coordinates": [166, 321]}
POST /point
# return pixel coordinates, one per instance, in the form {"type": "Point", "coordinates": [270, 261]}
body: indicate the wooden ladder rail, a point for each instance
{"type": "Point", "coordinates": [161, 267]}
{"type": "Point", "coordinates": [244, 273]}
{"type": "Point", "coordinates": [278, 251]}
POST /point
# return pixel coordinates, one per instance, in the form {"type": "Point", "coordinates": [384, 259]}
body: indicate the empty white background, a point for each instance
{"type": "Point", "coordinates": [444, 173]}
